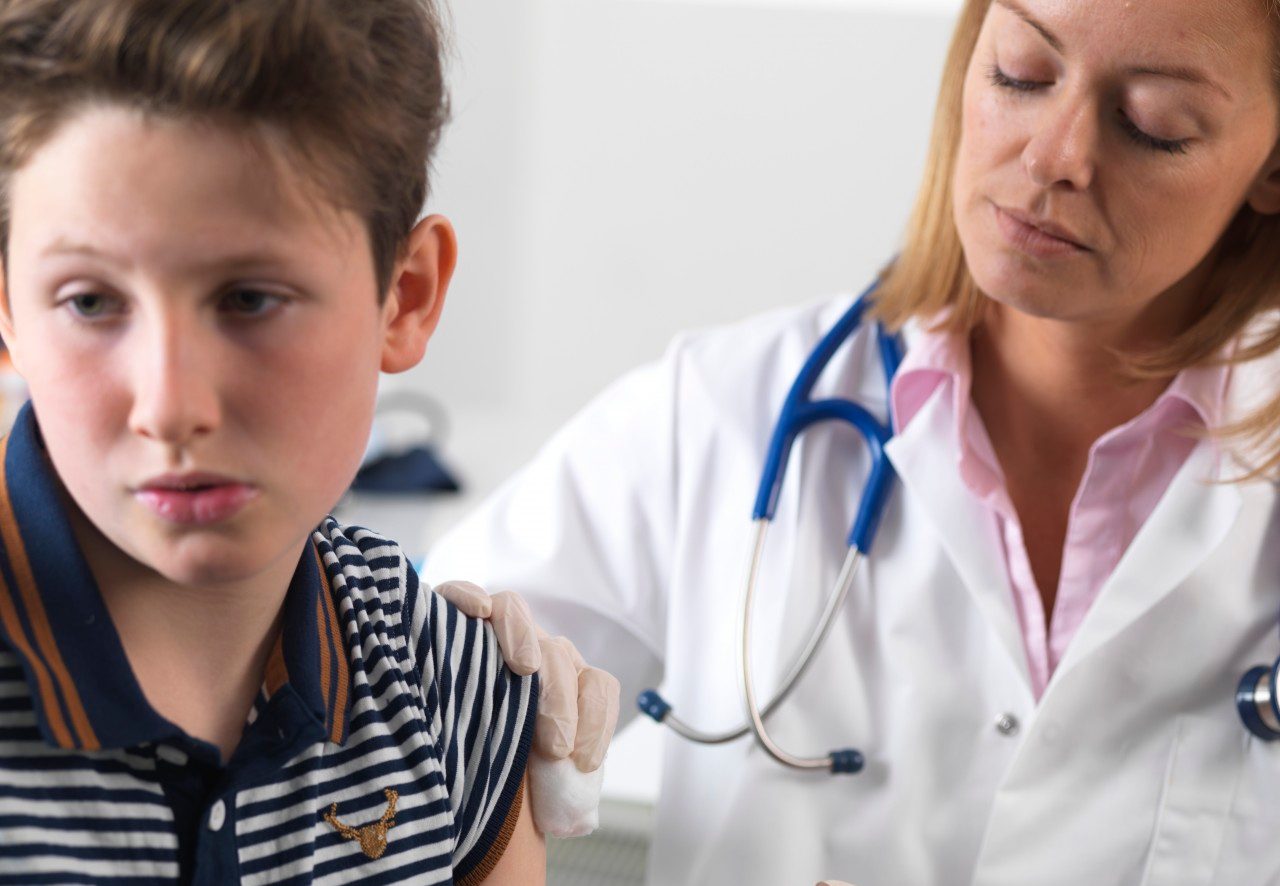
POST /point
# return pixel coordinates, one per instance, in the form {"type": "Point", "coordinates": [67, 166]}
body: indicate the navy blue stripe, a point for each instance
{"type": "Point", "coordinates": [89, 823]}
{"type": "Point", "coordinates": [58, 878]}
{"type": "Point", "coordinates": [83, 794]}
{"type": "Point", "coordinates": [88, 853]}
{"type": "Point", "coordinates": [70, 763]}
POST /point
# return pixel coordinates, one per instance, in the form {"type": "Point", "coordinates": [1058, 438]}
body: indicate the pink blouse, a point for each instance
{"type": "Point", "coordinates": [1129, 469]}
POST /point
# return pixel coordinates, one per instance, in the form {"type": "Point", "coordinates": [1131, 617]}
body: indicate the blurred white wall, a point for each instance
{"type": "Point", "coordinates": [621, 169]}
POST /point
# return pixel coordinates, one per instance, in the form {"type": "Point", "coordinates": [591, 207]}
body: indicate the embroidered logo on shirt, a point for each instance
{"type": "Point", "coordinates": [372, 837]}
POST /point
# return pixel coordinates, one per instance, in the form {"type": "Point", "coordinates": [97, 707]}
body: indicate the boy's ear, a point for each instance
{"type": "Point", "coordinates": [6, 318]}
{"type": "Point", "coordinates": [1264, 196]}
{"type": "Point", "coordinates": [419, 282]}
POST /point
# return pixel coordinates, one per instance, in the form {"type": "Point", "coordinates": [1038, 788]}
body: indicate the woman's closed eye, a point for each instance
{"type": "Point", "coordinates": [1135, 133]}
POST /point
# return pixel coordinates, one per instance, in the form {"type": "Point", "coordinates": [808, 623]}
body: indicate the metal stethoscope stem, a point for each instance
{"type": "Point", "coordinates": [835, 600]}
{"type": "Point", "coordinates": [845, 760]}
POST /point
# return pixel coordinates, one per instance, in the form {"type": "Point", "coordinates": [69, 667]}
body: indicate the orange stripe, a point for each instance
{"type": "Point", "coordinates": [339, 650]}
{"type": "Point", "coordinates": [325, 664]}
{"type": "Point", "coordinates": [40, 621]}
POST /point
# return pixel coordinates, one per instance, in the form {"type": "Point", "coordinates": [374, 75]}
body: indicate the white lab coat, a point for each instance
{"type": "Point", "coordinates": [629, 533]}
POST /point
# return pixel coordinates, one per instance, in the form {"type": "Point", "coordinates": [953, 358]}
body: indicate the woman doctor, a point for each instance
{"type": "Point", "coordinates": [1082, 555]}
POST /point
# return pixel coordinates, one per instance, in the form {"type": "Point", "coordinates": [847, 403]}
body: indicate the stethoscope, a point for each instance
{"type": "Point", "coordinates": [799, 411]}
{"type": "Point", "coordinates": [1257, 697]}
{"type": "Point", "coordinates": [1257, 703]}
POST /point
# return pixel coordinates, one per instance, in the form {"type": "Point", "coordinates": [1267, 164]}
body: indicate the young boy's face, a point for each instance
{"type": "Point", "coordinates": [202, 343]}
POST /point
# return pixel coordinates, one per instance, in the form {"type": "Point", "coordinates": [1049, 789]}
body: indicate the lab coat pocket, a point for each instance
{"type": "Point", "coordinates": [1251, 846]}
{"type": "Point", "coordinates": [1195, 801]}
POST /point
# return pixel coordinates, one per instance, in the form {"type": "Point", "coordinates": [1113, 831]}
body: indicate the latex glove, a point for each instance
{"type": "Point", "coordinates": [577, 704]}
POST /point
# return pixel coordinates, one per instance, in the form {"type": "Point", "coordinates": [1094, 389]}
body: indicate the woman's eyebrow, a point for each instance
{"type": "Point", "coordinates": [1016, 8]}
{"type": "Point", "coordinates": [1176, 72]}
{"type": "Point", "coordinates": [1188, 75]}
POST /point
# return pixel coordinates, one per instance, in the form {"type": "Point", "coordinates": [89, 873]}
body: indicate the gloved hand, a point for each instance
{"type": "Point", "coordinates": [577, 704]}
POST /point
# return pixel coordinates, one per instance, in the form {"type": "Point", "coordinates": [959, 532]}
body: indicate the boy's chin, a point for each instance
{"type": "Point", "coordinates": [219, 562]}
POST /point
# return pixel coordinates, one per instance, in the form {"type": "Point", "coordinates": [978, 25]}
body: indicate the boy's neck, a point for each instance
{"type": "Point", "coordinates": [198, 653]}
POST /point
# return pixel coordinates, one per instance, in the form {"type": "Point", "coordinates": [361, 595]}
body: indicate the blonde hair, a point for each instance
{"type": "Point", "coordinates": [1242, 286]}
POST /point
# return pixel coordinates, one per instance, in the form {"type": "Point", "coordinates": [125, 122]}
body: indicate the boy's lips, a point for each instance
{"type": "Point", "coordinates": [196, 498]}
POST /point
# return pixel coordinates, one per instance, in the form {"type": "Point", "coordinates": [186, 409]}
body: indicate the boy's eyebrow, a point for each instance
{"type": "Point", "coordinates": [63, 246]}
{"type": "Point", "coordinates": [252, 259]}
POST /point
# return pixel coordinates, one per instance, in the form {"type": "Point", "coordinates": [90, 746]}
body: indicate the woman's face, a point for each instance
{"type": "Point", "coordinates": [1106, 146]}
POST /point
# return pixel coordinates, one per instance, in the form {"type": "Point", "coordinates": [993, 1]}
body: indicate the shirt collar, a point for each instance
{"type": "Point", "coordinates": [54, 619]}
{"type": "Point", "coordinates": [936, 357]}
{"type": "Point", "coordinates": [938, 362]}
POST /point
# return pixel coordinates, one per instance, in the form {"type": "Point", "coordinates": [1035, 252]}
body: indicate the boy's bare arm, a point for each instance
{"type": "Point", "coordinates": [524, 862]}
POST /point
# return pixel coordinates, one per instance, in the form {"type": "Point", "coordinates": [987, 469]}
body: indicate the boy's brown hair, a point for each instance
{"type": "Point", "coordinates": [351, 90]}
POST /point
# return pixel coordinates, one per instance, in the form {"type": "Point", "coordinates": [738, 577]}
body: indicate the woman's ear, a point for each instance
{"type": "Point", "coordinates": [1264, 196]}
{"type": "Point", "coordinates": [419, 282]}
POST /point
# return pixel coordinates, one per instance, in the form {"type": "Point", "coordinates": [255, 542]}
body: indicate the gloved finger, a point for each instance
{"type": "Point", "coordinates": [517, 634]}
{"type": "Point", "coordinates": [557, 724]}
{"type": "Point", "coordinates": [598, 695]}
{"type": "Point", "coordinates": [471, 599]}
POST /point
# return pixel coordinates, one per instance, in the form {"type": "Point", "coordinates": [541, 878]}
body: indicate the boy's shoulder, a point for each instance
{"type": "Point", "coordinates": [372, 582]}
{"type": "Point", "coordinates": [363, 564]}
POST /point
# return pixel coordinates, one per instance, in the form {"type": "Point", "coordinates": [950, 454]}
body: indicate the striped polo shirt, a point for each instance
{"type": "Point", "coordinates": [387, 744]}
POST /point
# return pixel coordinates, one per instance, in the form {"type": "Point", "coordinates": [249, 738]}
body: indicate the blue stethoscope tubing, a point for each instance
{"type": "Point", "coordinates": [800, 412]}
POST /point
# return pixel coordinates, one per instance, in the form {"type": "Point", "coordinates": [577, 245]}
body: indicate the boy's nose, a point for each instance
{"type": "Point", "coordinates": [175, 396]}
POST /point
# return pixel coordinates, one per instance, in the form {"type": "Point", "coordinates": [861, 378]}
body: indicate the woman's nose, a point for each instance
{"type": "Point", "coordinates": [175, 388]}
{"type": "Point", "coordinates": [1062, 151]}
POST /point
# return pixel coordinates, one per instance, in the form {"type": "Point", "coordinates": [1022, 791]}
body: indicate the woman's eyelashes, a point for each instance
{"type": "Point", "coordinates": [1135, 133]}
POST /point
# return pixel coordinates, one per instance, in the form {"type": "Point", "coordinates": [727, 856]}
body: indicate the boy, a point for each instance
{"type": "Point", "coordinates": [209, 254]}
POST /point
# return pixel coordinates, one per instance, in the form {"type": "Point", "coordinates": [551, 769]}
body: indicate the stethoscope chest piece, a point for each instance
{"type": "Point", "coordinates": [1257, 702]}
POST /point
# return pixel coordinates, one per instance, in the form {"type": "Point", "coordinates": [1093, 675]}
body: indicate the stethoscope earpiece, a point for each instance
{"type": "Point", "coordinates": [1256, 701]}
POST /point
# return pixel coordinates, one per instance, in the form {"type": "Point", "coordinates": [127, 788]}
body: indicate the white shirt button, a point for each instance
{"type": "Point", "coordinates": [1007, 724]}
{"type": "Point", "coordinates": [217, 815]}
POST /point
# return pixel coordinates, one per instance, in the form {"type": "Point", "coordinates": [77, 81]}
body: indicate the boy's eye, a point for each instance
{"type": "Point", "coordinates": [92, 305]}
{"type": "Point", "coordinates": [250, 302]}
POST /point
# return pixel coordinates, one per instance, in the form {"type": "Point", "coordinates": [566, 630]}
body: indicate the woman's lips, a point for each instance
{"type": "Point", "coordinates": [1033, 240]}
{"type": "Point", "coordinates": [201, 506]}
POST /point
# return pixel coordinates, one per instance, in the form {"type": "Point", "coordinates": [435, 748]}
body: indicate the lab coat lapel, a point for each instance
{"type": "Point", "coordinates": [965, 530]}
{"type": "Point", "coordinates": [1189, 523]}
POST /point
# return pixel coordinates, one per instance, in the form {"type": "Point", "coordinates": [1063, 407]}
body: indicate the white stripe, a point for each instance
{"type": "Point", "coordinates": [73, 778]}
{"type": "Point", "coordinates": [82, 838]}
{"type": "Point", "coordinates": [60, 864]}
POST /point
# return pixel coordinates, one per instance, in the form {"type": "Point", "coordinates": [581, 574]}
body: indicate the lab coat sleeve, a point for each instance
{"type": "Point", "coordinates": [586, 531]}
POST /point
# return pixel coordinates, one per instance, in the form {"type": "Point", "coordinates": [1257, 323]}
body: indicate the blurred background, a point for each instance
{"type": "Point", "coordinates": [619, 170]}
